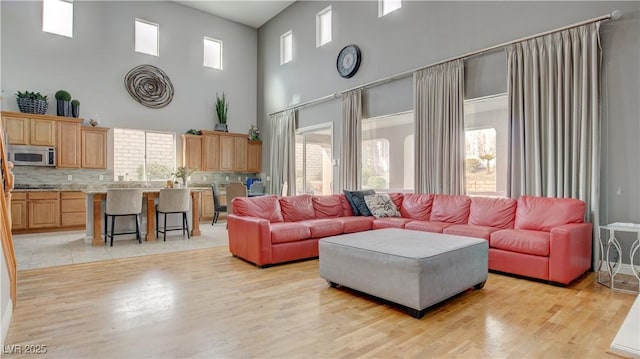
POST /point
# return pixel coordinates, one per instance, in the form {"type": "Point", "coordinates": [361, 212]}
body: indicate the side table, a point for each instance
{"type": "Point", "coordinates": [612, 243]}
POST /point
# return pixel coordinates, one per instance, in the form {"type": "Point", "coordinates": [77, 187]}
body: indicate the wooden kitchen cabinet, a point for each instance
{"type": "Point", "coordinates": [240, 154]}
{"type": "Point", "coordinates": [192, 151]}
{"type": "Point", "coordinates": [226, 153]}
{"type": "Point", "coordinates": [42, 132]}
{"type": "Point", "coordinates": [18, 210]}
{"type": "Point", "coordinates": [72, 209]}
{"type": "Point", "coordinates": [93, 142]}
{"type": "Point", "coordinates": [68, 148]}
{"type": "Point", "coordinates": [254, 156]}
{"type": "Point", "coordinates": [29, 129]}
{"type": "Point", "coordinates": [207, 204]}
{"type": "Point", "coordinates": [43, 209]}
{"type": "Point", "coordinates": [17, 129]}
{"type": "Point", "coordinates": [210, 151]}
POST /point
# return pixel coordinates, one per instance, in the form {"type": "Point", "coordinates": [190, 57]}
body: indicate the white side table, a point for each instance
{"type": "Point", "coordinates": [612, 243]}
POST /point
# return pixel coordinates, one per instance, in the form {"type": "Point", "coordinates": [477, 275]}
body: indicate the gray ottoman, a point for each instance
{"type": "Point", "coordinates": [410, 268]}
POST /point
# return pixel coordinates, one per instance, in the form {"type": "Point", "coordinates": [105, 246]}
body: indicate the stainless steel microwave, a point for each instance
{"type": "Point", "coordinates": [32, 155]}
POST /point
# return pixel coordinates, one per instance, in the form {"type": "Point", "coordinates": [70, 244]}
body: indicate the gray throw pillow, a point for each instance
{"type": "Point", "coordinates": [356, 200]}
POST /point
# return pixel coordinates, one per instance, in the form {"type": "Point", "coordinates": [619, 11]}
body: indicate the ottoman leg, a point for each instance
{"type": "Point", "coordinates": [332, 284]}
{"type": "Point", "coordinates": [418, 314]}
{"type": "Point", "coordinates": [479, 285]}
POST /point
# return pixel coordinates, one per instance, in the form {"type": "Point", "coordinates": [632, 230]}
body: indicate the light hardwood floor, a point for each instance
{"type": "Point", "coordinates": [208, 304]}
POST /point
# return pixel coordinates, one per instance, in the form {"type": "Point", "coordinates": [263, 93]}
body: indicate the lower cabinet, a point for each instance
{"type": "Point", "coordinates": [47, 210]}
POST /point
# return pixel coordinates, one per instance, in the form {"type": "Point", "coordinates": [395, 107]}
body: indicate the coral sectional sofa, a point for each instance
{"type": "Point", "coordinates": [537, 237]}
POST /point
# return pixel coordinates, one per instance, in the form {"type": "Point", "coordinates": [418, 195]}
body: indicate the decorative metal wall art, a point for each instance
{"type": "Point", "coordinates": [149, 85]}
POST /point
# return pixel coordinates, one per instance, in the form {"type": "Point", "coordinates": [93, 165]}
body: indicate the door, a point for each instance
{"type": "Point", "coordinates": [314, 169]}
{"type": "Point", "coordinates": [210, 152]}
{"type": "Point", "coordinates": [68, 155]}
{"type": "Point", "coordinates": [43, 132]}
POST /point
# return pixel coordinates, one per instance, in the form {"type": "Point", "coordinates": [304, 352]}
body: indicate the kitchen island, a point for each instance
{"type": "Point", "coordinates": [96, 199]}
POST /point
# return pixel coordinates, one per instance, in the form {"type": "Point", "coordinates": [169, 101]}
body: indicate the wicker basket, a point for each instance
{"type": "Point", "coordinates": [28, 105]}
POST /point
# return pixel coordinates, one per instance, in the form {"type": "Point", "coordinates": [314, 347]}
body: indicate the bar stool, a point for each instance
{"type": "Point", "coordinates": [121, 203]}
{"type": "Point", "coordinates": [173, 200]}
{"type": "Point", "coordinates": [217, 206]}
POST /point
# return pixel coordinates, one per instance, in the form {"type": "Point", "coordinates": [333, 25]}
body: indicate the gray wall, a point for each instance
{"type": "Point", "coordinates": [92, 64]}
{"type": "Point", "coordinates": [425, 32]}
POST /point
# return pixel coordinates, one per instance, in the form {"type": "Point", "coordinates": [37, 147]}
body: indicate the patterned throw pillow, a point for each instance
{"type": "Point", "coordinates": [381, 205]}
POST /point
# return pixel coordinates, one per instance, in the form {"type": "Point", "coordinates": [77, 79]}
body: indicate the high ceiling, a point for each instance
{"type": "Point", "coordinates": [252, 13]}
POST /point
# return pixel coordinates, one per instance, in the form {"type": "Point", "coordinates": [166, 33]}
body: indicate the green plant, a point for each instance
{"type": "Point", "coordinates": [62, 95]}
{"type": "Point", "coordinates": [193, 131]}
{"type": "Point", "coordinates": [222, 107]}
{"type": "Point", "coordinates": [75, 102]}
{"type": "Point", "coordinates": [31, 95]}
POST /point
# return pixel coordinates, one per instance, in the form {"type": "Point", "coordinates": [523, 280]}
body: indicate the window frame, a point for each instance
{"type": "Point", "coordinates": [319, 16]}
{"type": "Point", "coordinates": [47, 25]}
{"type": "Point", "coordinates": [135, 36]}
{"type": "Point", "coordinates": [283, 37]}
{"type": "Point", "coordinates": [204, 53]}
{"type": "Point", "coordinates": [145, 157]}
{"type": "Point", "coordinates": [309, 129]}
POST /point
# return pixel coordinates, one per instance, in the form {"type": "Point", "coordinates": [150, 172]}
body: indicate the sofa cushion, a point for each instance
{"type": "Point", "coordinates": [397, 198]}
{"type": "Point", "coordinates": [521, 241]}
{"type": "Point", "coordinates": [390, 222]}
{"type": "Point", "coordinates": [346, 206]}
{"type": "Point", "coordinates": [297, 208]}
{"type": "Point", "coordinates": [265, 207]}
{"type": "Point", "coordinates": [469, 230]}
{"type": "Point", "coordinates": [329, 206]}
{"type": "Point", "coordinates": [356, 200]}
{"type": "Point", "coordinates": [450, 209]}
{"type": "Point", "coordinates": [321, 228]}
{"type": "Point", "coordinates": [417, 206]}
{"type": "Point", "coordinates": [424, 226]}
{"type": "Point", "coordinates": [355, 224]}
{"type": "Point", "coordinates": [544, 213]}
{"type": "Point", "coordinates": [493, 212]}
{"type": "Point", "coordinates": [289, 232]}
{"type": "Point", "coordinates": [381, 205]}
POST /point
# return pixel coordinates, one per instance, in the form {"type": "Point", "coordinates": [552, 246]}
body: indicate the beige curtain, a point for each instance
{"type": "Point", "coordinates": [351, 137]}
{"type": "Point", "coordinates": [439, 128]}
{"type": "Point", "coordinates": [554, 107]}
{"type": "Point", "coordinates": [283, 154]}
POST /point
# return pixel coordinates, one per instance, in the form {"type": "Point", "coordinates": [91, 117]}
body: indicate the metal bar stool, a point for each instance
{"type": "Point", "coordinates": [173, 200]}
{"type": "Point", "coordinates": [217, 206]}
{"type": "Point", "coordinates": [122, 203]}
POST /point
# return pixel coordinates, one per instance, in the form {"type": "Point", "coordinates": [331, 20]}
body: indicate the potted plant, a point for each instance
{"type": "Point", "coordinates": [254, 133]}
{"type": "Point", "coordinates": [32, 102]}
{"type": "Point", "coordinates": [183, 173]}
{"type": "Point", "coordinates": [75, 108]}
{"type": "Point", "coordinates": [62, 99]}
{"type": "Point", "coordinates": [222, 107]}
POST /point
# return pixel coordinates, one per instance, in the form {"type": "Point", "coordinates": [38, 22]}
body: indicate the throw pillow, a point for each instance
{"type": "Point", "coordinates": [381, 205]}
{"type": "Point", "coordinates": [356, 200]}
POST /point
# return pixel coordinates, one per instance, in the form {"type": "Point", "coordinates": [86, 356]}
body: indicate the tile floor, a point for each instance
{"type": "Point", "coordinates": [41, 250]}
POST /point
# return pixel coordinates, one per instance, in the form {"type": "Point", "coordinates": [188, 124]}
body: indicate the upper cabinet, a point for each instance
{"type": "Point", "coordinates": [68, 140]}
{"type": "Point", "coordinates": [94, 147]}
{"type": "Point", "coordinates": [29, 129]}
{"type": "Point", "coordinates": [221, 151]}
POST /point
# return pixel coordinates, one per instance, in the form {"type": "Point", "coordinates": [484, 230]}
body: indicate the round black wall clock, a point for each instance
{"type": "Point", "coordinates": [348, 61]}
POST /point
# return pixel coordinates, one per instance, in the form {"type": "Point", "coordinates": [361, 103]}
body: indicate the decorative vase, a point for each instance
{"type": "Point", "coordinates": [221, 127]}
{"type": "Point", "coordinates": [184, 182]}
{"type": "Point", "coordinates": [75, 110]}
{"type": "Point", "coordinates": [63, 108]}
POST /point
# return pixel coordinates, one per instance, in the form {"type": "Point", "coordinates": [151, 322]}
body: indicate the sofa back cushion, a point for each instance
{"type": "Point", "coordinates": [416, 206]}
{"type": "Point", "coordinates": [450, 209]}
{"type": "Point", "coordinates": [265, 207]}
{"type": "Point", "coordinates": [544, 213]}
{"type": "Point", "coordinates": [493, 212]}
{"type": "Point", "coordinates": [396, 197]}
{"type": "Point", "coordinates": [346, 206]}
{"type": "Point", "coordinates": [327, 206]}
{"type": "Point", "coordinates": [297, 208]}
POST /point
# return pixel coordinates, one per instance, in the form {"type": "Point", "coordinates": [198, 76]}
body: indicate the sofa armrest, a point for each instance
{"type": "Point", "coordinates": [570, 251]}
{"type": "Point", "coordinates": [250, 238]}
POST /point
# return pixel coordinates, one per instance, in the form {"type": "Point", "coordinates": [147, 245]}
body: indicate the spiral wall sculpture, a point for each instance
{"type": "Point", "coordinates": [149, 85]}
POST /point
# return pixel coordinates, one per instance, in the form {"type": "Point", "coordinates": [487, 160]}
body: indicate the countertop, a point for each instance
{"type": "Point", "coordinates": [102, 187]}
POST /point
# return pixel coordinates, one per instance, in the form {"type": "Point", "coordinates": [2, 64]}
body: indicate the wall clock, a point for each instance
{"type": "Point", "coordinates": [348, 61]}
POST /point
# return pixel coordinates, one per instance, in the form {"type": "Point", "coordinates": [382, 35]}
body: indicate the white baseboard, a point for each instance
{"type": "Point", "coordinates": [6, 320]}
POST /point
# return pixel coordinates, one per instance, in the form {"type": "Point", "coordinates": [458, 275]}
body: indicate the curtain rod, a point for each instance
{"type": "Point", "coordinates": [613, 15]}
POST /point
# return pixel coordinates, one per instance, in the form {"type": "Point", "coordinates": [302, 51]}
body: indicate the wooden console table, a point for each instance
{"type": "Point", "coordinates": [149, 196]}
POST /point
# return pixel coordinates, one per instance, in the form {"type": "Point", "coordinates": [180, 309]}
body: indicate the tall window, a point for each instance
{"type": "Point", "coordinates": [286, 47]}
{"type": "Point", "coordinates": [143, 155]}
{"type": "Point", "coordinates": [314, 170]}
{"type": "Point", "coordinates": [146, 41]}
{"type": "Point", "coordinates": [212, 53]}
{"type": "Point", "coordinates": [57, 17]}
{"type": "Point", "coordinates": [388, 6]}
{"type": "Point", "coordinates": [486, 136]}
{"type": "Point", "coordinates": [323, 27]}
{"type": "Point", "coordinates": [386, 142]}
